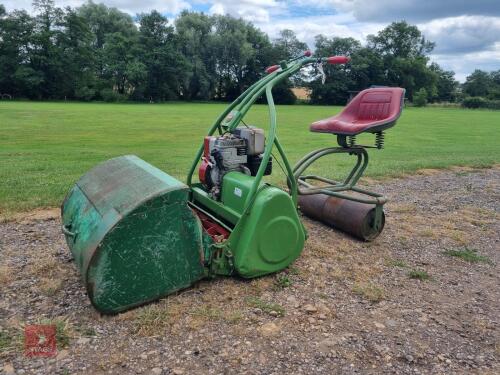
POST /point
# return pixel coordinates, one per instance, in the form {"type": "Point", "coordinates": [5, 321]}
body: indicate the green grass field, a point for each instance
{"type": "Point", "coordinates": [46, 147]}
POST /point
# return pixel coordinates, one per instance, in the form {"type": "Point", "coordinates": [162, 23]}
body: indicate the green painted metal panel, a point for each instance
{"type": "Point", "coordinates": [235, 189]}
{"type": "Point", "coordinates": [132, 234]}
{"type": "Point", "coordinates": [267, 237]}
{"type": "Point", "coordinates": [200, 196]}
{"type": "Point", "coordinates": [270, 237]}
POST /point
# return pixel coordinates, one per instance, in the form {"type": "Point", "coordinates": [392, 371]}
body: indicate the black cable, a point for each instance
{"type": "Point", "coordinates": [245, 124]}
{"type": "Point", "coordinates": [282, 169]}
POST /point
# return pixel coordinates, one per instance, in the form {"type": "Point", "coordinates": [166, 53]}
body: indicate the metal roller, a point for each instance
{"type": "Point", "coordinates": [351, 217]}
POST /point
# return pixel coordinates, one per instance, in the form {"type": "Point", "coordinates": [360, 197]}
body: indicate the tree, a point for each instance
{"type": "Point", "coordinates": [404, 51]}
{"type": "Point", "coordinates": [105, 24]}
{"type": "Point", "coordinates": [479, 83]}
{"type": "Point", "coordinates": [232, 52]}
{"type": "Point", "coordinates": [402, 40]}
{"type": "Point", "coordinates": [338, 81]}
{"type": "Point", "coordinates": [412, 74]}
{"type": "Point", "coordinates": [194, 31]}
{"type": "Point", "coordinates": [165, 66]}
{"type": "Point", "coordinates": [17, 77]}
{"type": "Point", "coordinates": [285, 47]}
{"type": "Point", "coordinates": [97, 52]}
{"type": "Point", "coordinates": [420, 98]}
{"type": "Point", "coordinates": [121, 64]}
{"type": "Point", "coordinates": [494, 92]}
{"type": "Point", "coordinates": [46, 58]}
{"type": "Point", "coordinates": [288, 46]}
{"type": "Point", "coordinates": [446, 84]}
{"type": "Point", "coordinates": [79, 62]}
{"type": "Point", "coordinates": [259, 60]}
{"type": "Point", "coordinates": [366, 69]}
{"type": "Point", "coordinates": [103, 21]}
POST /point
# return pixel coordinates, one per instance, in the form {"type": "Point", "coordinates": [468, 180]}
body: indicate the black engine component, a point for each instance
{"type": "Point", "coordinates": [254, 163]}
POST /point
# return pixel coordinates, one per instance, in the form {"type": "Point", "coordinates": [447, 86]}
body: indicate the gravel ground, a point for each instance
{"type": "Point", "coordinates": [343, 307]}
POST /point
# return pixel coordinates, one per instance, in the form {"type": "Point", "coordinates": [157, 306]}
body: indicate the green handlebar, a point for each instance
{"type": "Point", "coordinates": [241, 106]}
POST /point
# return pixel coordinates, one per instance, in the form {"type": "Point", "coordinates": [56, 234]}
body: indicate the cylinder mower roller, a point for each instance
{"type": "Point", "coordinates": [138, 234]}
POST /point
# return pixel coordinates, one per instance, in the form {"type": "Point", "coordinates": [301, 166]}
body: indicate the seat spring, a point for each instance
{"type": "Point", "coordinates": [352, 140]}
{"type": "Point", "coordinates": [379, 139]}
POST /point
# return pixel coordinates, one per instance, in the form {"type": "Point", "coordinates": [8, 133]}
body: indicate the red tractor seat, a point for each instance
{"type": "Point", "coordinates": [371, 111]}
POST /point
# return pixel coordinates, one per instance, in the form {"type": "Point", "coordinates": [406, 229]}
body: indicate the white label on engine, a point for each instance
{"type": "Point", "coordinates": [237, 192]}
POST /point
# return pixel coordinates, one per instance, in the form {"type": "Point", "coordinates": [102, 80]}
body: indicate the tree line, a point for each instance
{"type": "Point", "coordinates": [95, 52]}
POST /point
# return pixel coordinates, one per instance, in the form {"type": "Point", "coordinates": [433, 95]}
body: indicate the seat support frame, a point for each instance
{"type": "Point", "coordinates": [339, 189]}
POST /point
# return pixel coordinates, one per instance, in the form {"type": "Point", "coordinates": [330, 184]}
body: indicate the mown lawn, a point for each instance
{"type": "Point", "coordinates": [46, 147]}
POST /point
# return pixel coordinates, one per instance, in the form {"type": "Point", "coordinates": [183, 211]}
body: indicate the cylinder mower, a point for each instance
{"type": "Point", "coordinates": [138, 234]}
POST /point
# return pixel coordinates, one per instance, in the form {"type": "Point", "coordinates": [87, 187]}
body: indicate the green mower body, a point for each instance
{"type": "Point", "coordinates": [132, 234]}
{"type": "Point", "coordinates": [138, 234]}
{"type": "Point", "coordinates": [135, 238]}
{"type": "Point", "coordinates": [265, 238]}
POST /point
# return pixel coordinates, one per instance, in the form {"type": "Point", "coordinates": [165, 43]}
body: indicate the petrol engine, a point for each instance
{"type": "Point", "coordinates": [239, 151]}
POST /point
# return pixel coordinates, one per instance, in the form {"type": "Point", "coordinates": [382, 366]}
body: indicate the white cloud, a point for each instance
{"type": "Point", "coordinates": [463, 34]}
{"type": "Point", "coordinates": [258, 11]}
{"type": "Point", "coordinates": [465, 43]}
{"type": "Point", "coordinates": [162, 6]}
{"type": "Point", "coordinates": [411, 10]}
{"type": "Point", "coordinates": [464, 64]}
{"type": "Point", "coordinates": [307, 28]}
{"type": "Point", "coordinates": [130, 6]}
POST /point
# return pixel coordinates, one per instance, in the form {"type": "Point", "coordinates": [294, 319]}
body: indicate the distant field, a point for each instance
{"type": "Point", "coordinates": [46, 147]}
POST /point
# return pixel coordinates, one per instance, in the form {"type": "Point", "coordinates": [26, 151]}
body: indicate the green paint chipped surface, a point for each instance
{"type": "Point", "coordinates": [135, 238]}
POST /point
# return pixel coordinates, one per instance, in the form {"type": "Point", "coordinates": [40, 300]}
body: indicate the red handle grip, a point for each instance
{"type": "Point", "coordinates": [338, 59]}
{"type": "Point", "coordinates": [272, 68]}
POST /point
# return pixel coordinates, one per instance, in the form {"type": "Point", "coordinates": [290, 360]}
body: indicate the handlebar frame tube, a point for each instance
{"type": "Point", "coordinates": [241, 106]}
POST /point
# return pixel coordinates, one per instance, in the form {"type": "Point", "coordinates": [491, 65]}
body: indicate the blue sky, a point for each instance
{"type": "Point", "coordinates": [466, 32]}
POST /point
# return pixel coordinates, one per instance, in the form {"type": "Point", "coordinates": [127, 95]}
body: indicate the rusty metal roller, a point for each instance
{"type": "Point", "coordinates": [351, 217]}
